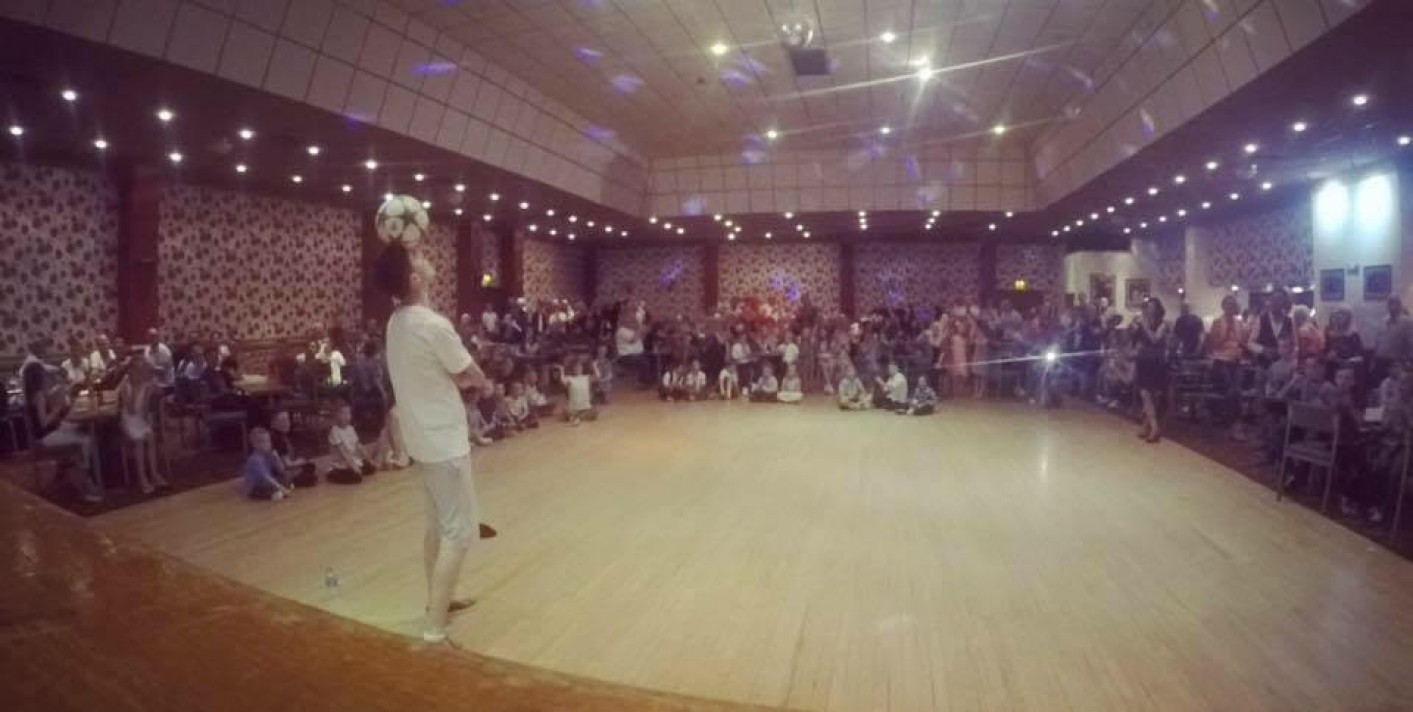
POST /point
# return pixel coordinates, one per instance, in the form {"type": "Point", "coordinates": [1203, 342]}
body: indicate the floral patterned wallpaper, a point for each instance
{"type": "Point", "coordinates": [58, 259]}
{"type": "Point", "coordinates": [790, 270]}
{"type": "Point", "coordinates": [555, 271]}
{"type": "Point", "coordinates": [672, 280]}
{"type": "Point", "coordinates": [440, 248]}
{"type": "Point", "coordinates": [1041, 266]}
{"type": "Point", "coordinates": [1276, 247]}
{"type": "Point", "coordinates": [255, 267]}
{"type": "Point", "coordinates": [921, 274]}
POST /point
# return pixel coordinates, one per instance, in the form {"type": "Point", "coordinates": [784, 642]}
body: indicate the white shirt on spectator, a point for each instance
{"type": "Point", "coordinates": [578, 388]}
{"type": "Point", "coordinates": [790, 353]}
{"type": "Point", "coordinates": [423, 354]}
{"type": "Point", "coordinates": [160, 358]}
{"type": "Point", "coordinates": [336, 364]}
{"type": "Point", "coordinates": [628, 341]}
{"type": "Point", "coordinates": [489, 321]}
{"type": "Point", "coordinates": [343, 445]}
{"type": "Point", "coordinates": [897, 388]}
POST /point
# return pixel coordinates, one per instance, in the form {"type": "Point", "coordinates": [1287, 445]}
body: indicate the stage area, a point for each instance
{"type": "Point", "coordinates": [994, 556]}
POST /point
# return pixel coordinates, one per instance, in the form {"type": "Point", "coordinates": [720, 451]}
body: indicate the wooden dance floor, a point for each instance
{"type": "Point", "coordinates": [992, 557]}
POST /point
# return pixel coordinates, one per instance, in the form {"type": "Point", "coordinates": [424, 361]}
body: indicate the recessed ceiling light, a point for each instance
{"type": "Point", "coordinates": [524, 205]}
{"type": "Point", "coordinates": [461, 187]}
{"type": "Point", "coordinates": [165, 115]}
{"type": "Point", "coordinates": [863, 213]}
{"type": "Point", "coordinates": [609, 229]}
{"type": "Point", "coordinates": [457, 211]}
{"type": "Point", "coordinates": [999, 129]}
{"type": "Point", "coordinates": [419, 177]}
{"type": "Point", "coordinates": [1267, 185]}
{"type": "Point", "coordinates": [1404, 140]}
{"type": "Point", "coordinates": [651, 221]}
{"type": "Point", "coordinates": [1235, 196]}
{"type": "Point", "coordinates": [1054, 233]}
{"type": "Point", "coordinates": [297, 178]}
{"type": "Point", "coordinates": [1206, 205]}
{"type": "Point", "coordinates": [1162, 218]}
{"type": "Point", "coordinates": [1179, 179]}
{"type": "Point", "coordinates": [799, 228]}
{"type": "Point", "coordinates": [807, 233]}
{"type": "Point", "coordinates": [1079, 222]}
{"type": "Point", "coordinates": [495, 197]}
{"type": "Point", "coordinates": [1067, 228]}
{"type": "Point", "coordinates": [863, 226]}
{"type": "Point", "coordinates": [175, 157]}
{"type": "Point", "coordinates": [1360, 99]}
{"type": "Point", "coordinates": [245, 134]}
{"type": "Point", "coordinates": [1094, 216]}
{"type": "Point", "coordinates": [312, 150]}
{"type": "Point", "coordinates": [716, 217]}
{"type": "Point", "coordinates": [553, 232]}
{"type": "Point", "coordinates": [729, 223]}
{"type": "Point", "coordinates": [17, 130]}
{"type": "Point", "coordinates": [718, 49]}
{"type": "Point", "coordinates": [1299, 127]}
{"type": "Point", "coordinates": [767, 235]}
{"type": "Point", "coordinates": [575, 218]}
{"type": "Point", "coordinates": [771, 134]}
{"type": "Point", "coordinates": [731, 236]}
{"type": "Point", "coordinates": [590, 223]}
{"type": "Point", "coordinates": [241, 168]}
{"type": "Point", "coordinates": [100, 144]}
{"type": "Point", "coordinates": [667, 226]}
{"type": "Point", "coordinates": [623, 233]}
{"type": "Point", "coordinates": [69, 95]}
{"type": "Point", "coordinates": [1143, 226]}
{"type": "Point", "coordinates": [1128, 231]}
{"type": "Point", "coordinates": [1251, 148]}
{"type": "Point", "coordinates": [681, 231]}
{"type": "Point", "coordinates": [789, 216]}
{"type": "Point", "coordinates": [372, 165]}
{"type": "Point", "coordinates": [571, 237]}
{"type": "Point", "coordinates": [534, 227]}
{"type": "Point", "coordinates": [1153, 190]}
{"type": "Point", "coordinates": [936, 213]}
{"type": "Point", "coordinates": [1182, 212]}
{"type": "Point", "coordinates": [885, 130]}
{"type": "Point", "coordinates": [888, 37]}
{"type": "Point", "coordinates": [1128, 200]}
{"type": "Point", "coordinates": [1109, 210]}
{"type": "Point", "coordinates": [486, 217]}
{"type": "Point", "coordinates": [929, 226]}
{"type": "Point", "coordinates": [1213, 165]}
{"type": "Point", "coordinates": [550, 212]}
{"type": "Point", "coordinates": [346, 188]}
{"type": "Point", "coordinates": [925, 72]}
{"type": "Point", "coordinates": [738, 228]}
{"type": "Point", "coordinates": [991, 227]}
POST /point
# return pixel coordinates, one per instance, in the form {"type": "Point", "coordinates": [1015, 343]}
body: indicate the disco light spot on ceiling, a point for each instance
{"type": "Point", "coordinates": [588, 56]}
{"type": "Point", "coordinates": [1146, 123]}
{"type": "Point", "coordinates": [429, 69]}
{"type": "Point", "coordinates": [753, 156]}
{"type": "Point", "coordinates": [694, 205]}
{"type": "Point", "coordinates": [626, 83]}
{"type": "Point", "coordinates": [599, 133]}
{"type": "Point", "coordinates": [911, 168]}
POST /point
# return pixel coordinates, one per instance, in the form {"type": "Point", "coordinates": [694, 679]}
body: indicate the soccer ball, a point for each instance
{"type": "Point", "coordinates": [401, 218]}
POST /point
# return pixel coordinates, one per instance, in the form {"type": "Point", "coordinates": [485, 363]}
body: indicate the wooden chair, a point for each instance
{"type": "Point", "coordinates": [1318, 447]}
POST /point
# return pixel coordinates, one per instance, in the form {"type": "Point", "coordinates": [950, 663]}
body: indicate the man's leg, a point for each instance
{"type": "Point", "coordinates": [453, 518]}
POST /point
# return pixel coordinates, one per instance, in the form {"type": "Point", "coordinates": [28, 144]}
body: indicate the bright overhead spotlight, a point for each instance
{"type": "Point", "coordinates": [1299, 127]}
{"type": "Point", "coordinates": [885, 129]}
{"type": "Point", "coordinates": [16, 130]}
{"type": "Point", "coordinates": [534, 227]}
{"type": "Point", "coordinates": [457, 211]}
{"type": "Point", "coordinates": [716, 217]}
{"type": "Point", "coordinates": [1128, 231]}
{"type": "Point", "coordinates": [1206, 205]}
{"type": "Point", "coordinates": [681, 231]}
{"type": "Point", "coordinates": [1128, 200]}
{"type": "Point", "coordinates": [100, 144]}
{"type": "Point", "coordinates": [1067, 228]}
{"type": "Point", "coordinates": [347, 188]}
{"type": "Point", "coordinates": [936, 213]}
{"type": "Point", "coordinates": [1235, 196]}
{"type": "Point", "coordinates": [1360, 99]}
{"type": "Point", "coordinates": [1162, 218]}
{"type": "Point", "coordinates": [789, 215]}
{"type": "Point", "coordinates": [651, 221]}
{"type": "Point", "coordinates": [419, 177]}
{"type": "Point", "coordinates": [1054, 233]}
{"type": "Point", "coordinates": [665, 226]}
{"type": "Point", "coordinates": [767, 235]}
{"type": "Point", "coordinates": [575, 218]}
{"type": "Point", "coordinates": [165, 115]}
{"type": "Point", "coordinates": [1153, 190]}
{"type": "Point", "coordinates": [1267, 185]}
{"type": "Point", "coordinates": [1179, 179]}
{"type": "Point", "coordinates": [1079, 222]}
{"type": "Point", "coordinates": [524, 205]}
{"type": "Point", "coordinates": [1109, 210]}
{"type": "Point", "coordinates": [549, 212]}
{"type": "Point", "coordinates": [807, 233]}
{"type": "Point", "coordinates": [1143, 226]}
{"type": "Point", "coordinates": [999, 129]}
{"type": "Point", "coordinates": [245, 134]}
{"type": "Point", "coordinates": [888, 37]}
{"type": "Point", "coordinates": [991, 227]}
{"type": "Point", "coordinates": [241, 168]}
{"type": "Point", "coordinates": [175, 157]}
{"type": "Point", "coordinates": [486, 217]}
{"type": "Point", "coordinates": [1094, 216]}
{"type": "Point", "coordinates": [313, 150]}
{"type": "Point", "coordinates": [1182, 212]}
{"type": "Point", "coordinates": [1404, 140]}
{"type": "Point", "coordinates": [590, 223]}
{"type": "Point", "coordinates": [571, 237]}
{"type": "Point", "coordinates": [1213, 165]}
{"type": "Point", "coordinates": [494, 197]}
{"type": "Point", "coordinates": [609, 229]}
{"type": "Point", "coordinates": [729, 223]}
{"type": "Point", "coordinates": [863, 213]}
{"type": "Point", "coordinates": [925, 72]}
{"type": "Point", "coordinates": [372, 165]}
{"type": "Point", "coordinates": [718, 49]}
{"type": "Point", "coordinates": [623, 233]}
{"type": "Point", "coordinates": [771, 134]}
{"type": "Point", "coordinates": [553, 232]}
{"type": "Point", "coordinates": [387, 197]}
{"type": "Point", "coordinates": [69, 95]}
{"type": "Point", "coordinates": [1251, 148]}
{"type": "Point", "coordinates": [296, 178]}
{"type": "Point", "coordinates": [799, 228]}
{"type": "Point", "coordinates": [461, 187]}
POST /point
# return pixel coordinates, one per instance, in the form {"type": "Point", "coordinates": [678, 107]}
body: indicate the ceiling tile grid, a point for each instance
{"type": "Point", "coordinates": [374, 62]}
{"type": "Point", "coordinates": [1201, 52]}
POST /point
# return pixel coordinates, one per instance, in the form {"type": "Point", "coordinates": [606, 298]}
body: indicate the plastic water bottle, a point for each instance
{"type": "Point", "coordinates": [331, 580]}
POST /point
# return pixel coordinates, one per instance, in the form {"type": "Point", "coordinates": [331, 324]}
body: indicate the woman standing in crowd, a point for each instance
{"type": "Point", "coordinates": [1150, 338]}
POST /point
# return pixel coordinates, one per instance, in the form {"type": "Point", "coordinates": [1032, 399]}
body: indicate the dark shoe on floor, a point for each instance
{"type": "Point", "coordinates": [487, 531]}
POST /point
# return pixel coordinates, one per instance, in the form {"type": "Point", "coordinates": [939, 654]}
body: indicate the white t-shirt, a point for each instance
{"type": "Point", "coordinates": [336, 364]}
{"type": "Point", "coordinates": [578, 387]}
{"type": "Point", "coordinates": [897, 388]}
{"type": "Point", "coordinates": [628, 341]}
{"type": "Point", "coordinates": [343, 441]}
{"type": "Point", "coordinates": [790, 353]}
{"type": "Point", "coordinates": [424, 353]}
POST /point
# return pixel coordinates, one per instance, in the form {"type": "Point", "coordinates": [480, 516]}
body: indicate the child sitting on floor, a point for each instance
{"type": "Point", "coordinates": [579, 386]}
{"type": "Point", "coordinates": [476, 424]}
{"type": "Point", "coordinates": [501, 417]}
{"type": "Point", "coordinates": [486, 406]}
{"type": "Point", "coordinates": [728, 383]}
{"type": "Point", "coordinates": [670, 387]}
{"type": "Point", "coordinates": [767, 387]}
{"type": "Point", "coordinates": [924, 398]}
{"type": "Point", "coordinates": [851, 392]}
{"type": "Point", "coordinates": [694, 382]}
{"type": "Point", "coordinates": [261, 476]}
{"type": "Point", "coordinates": [602, 375]}
{"type": "Point", "coordinates": [540, 404]}
{"type": "Point", "coordinates": [350, 460]}
{"type": "Point", "coordinates": [792, 390]}
{"type": "Point", "coordinates": [893, 392]}
{"type": "Point", "coordinates": [300, 470]}
{"type": "Point", "coordinates": [518, 406]}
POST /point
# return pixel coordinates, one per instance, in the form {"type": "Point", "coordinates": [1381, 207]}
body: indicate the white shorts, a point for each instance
{"type": "Point", "coordinates": [452, 509]}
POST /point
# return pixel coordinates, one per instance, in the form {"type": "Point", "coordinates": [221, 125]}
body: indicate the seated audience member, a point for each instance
{"type": "Point", "coordinates": [792, 387]}
{"type": "Point", "coordinates": [1309, 340]}
{"type": "Point", "coordinates": [262, 477]}
{"type": "Point", "coordinates": [332, 357]}
{"type": "Point", "coordinates": [501, 418]}
{"type": "Point", "coordinates": [517, 405]}
{"type": "Point", "coordinates": [104, 357]}
{"type": "Point", "coordinates": [631, 352]}
{"type": "Point", "coordinates": [694, 383]}
{"type": "Point", "coordinates": [540, 404]}
{"type": "Point", "coordinates": [76, 366]}
{"type": "Point", "coordinates": [47, 407]}
{"type": "Point", "coordinates": [1388, 393]}
{"type": "Point", "coordinates": [193, 369]}
{"type": "Point", "coordinates": [159, 356]}
{"type": "Point", "coordinates": [923, 400]}
{"type": "Point", "coordinates": [767, 387]}
{"type": "Point", "coordinates": [135, 398]}
{"type": "Point", "coordinates": [851, 392]}
{"type": "Point", "coordinates": [490, 322]}
{"type": "Point", "coordinates": [1275, 382]}
{"type": "Point", "coordinates": [742, 360]}
{"type": "Point", "coordinates": [479, 427]}
{"type": "Point", "coordinates": [1343, 345]}
{"type": "Point", "coordinates": [669, 386]}
{"type": "Point", "coordinates": [1306, 385]}
{"type": "Point", "coordinates": [1341, 396]}
{"type": "Point", "coordinates": [487, 404]}
{"type": "Point", "coordinates": [893, 392]}
{"type": "Point", "coordinates": [1386, 444]}
{"type": "Point", "coordinates": [728, 382]}
{"type": "Point", "coordinates": [301, 471]}
{"type": "Point", "coordinates": [349, 460]}
{"type": "Point", "coordinates": [579, 406]}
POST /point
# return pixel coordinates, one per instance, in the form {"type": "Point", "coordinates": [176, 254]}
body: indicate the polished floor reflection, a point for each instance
{"type": "Point", "coordinates": [991, 557]}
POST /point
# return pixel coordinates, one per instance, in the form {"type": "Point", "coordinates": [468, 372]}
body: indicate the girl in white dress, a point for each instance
{"type": "Point", "coordinates": [135, 414]}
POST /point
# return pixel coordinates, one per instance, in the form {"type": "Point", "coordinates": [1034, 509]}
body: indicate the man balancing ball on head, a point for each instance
{"type": "Point", "coordinates": [428, 366]}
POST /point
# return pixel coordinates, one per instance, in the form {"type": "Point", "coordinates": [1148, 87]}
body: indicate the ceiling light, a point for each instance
{"type": "Point", "coordinates": [1067, 228]}
{"type": "Point", "coordinates": [1079, 222]}
{"type": "Point", "coordinates": [240, 168]}
{"type": "Point", "coordinates": [165, 115]}
{"type": "Point", "coordinates": [1054, 233]}
{"type": "Point", "coordinates": [16, 130]}
{"type": "Point", "coordinates": [807, 233]}
{"type": "Point", "coordinates": [665, 226]}
{"type": "Point", "coordinates": [1128, 231]}
{"type": "Point", "coordinates": [929, 226]}
{"type": "Point", "coordinates": [767, 235]}
{"type": "Point", "coordinates": [799, 228]}
{"type": "Point", "coordinates": [1094, 216]}
{"type": "Point", "coordinates": [69, 95]}
{"type": "Point", "coordinates": [680, 231]}
{"type": "Point", "coordinates": [999, 129]}
{"type": "Point", "coordinates": [716, 217]}
{"type": "Point", "coordinates": [1179, 179]}
{"type": "Point", "coordinates": [924, 72]}
{"type": "Point", "coordinates": [372, 165]}
{"type": "Point", "coordinates": [297, 178]}
{"type": "Point", "coordinates": [550, 212]}
{"type": "Point", "coordinates": [590, 223]}
{"type": "Point", "coordinates": [534, 227]}
{"type": "Point", "coordinates": [1153, 190]}
{"type": "Point", "coordinates": [1267, 185]}
{"type": "Point", "coordinates": [387, 197]}
{"type": "Point", "coordinates": [738, 228]}
{"type": "Point", "coordinates": [461, 187]}
{"type": "Point", "coordinates": [571, 237]}
{"type": "Point", "coordinates": [553, 232]}
{"type": "Point", "coordinates": [100, 144]}
{"type": "Point", "coordinates": [609, 229]}
{"type": "Point", "coordinates": [1235, 196]}
{"type": "Point", "coordinates": [457, 211]}
{"type": "Point", "coordinates": [486, 217]}
{"type": "Point", "coordinates": [624, 233]}
{"type": "Point", "coordinates": [885, 130]}
{"type": "Point", "coordinates": [1360, 99]}
{"type": "Point", "coordinates": [524, 205]}
{"type": "Point", "coordinates": [418, 177]}
{"type": "Point", "coordinates": [347, 188]}
{"type": "Point", "coordinates": [1010, 214]}
{"type": "Point", "coordinates": [888, 37]}
{"type": "Point", "coordinates": [1143, 226]}
{"type": "Point", "coordinates": [175, 157]}
{"type": "Point", "coordinates": [1206, 205]}
{"type": "Point", "coordinates": [495, 197]}
{"type": "Point", "coordinates": [651, 221]}
{"type": "Point", "coordinates": [1128, 200]}
{"type": "Point", "coordinates": [1109, 210]}
{"type": "Point", "coordinates": [1404, 140]}
{"type": "Point", "coordinates": [1251, 148]}
{"type": "Point", "coordinates": [863, 226]}
{"type": "Point", "coordinates": [991, 227]}
{"type": "Point", "coordinates": [1162, 218]}
{"type": "Point", "coordinates": [1182, 212]}
{"type": "Point", "coordinates": [1299, 127]}
{"type": "Point", "coordinates": [863, 213]}
{"type": "Point", "coordinates": [772, 134]}
{"type": "Point", "coordinates": [729, 223]}
{"type": "Point", "coordinates": [575, 218]}
{"type": "Point", "coordinates": [312, 150]}
{"type": "Point", "coordinates": [718, 49]}
{"type": "Point", "coordinates": [789, 216]}
{"type": "Point", "coordinates": [731, 236]}
{"type": "Point", "coordinates": [245, 134]}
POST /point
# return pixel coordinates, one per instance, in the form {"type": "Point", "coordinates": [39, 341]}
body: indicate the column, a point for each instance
{"type": "Point", "coordinates": [139, 197]}
{"type": "Point", "coordinates": [847, 300]}
{"type": "Point", "coordinates": [376, 304]}
{"type": "Point", "coordinates": [711, 276]}
{"type": "Point", "coordinates": [986, 273]}
{"type": "Point", "coordinates": [470, 243]}
{"type": "Point", "coordinates": [512, 264]}
{"type": "Point", "coordinates": [591, 274]}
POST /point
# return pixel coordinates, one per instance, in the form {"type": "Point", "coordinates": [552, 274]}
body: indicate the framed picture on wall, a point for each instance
{"type": "Point", "coordinates": [1332, 285]}
{"type": "Point", "coordinates": [1101, 286]}
{"type": "Point", "coordinates": [1137, 291]}
{"type": "Point", "coordinates": [1378, 283]}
